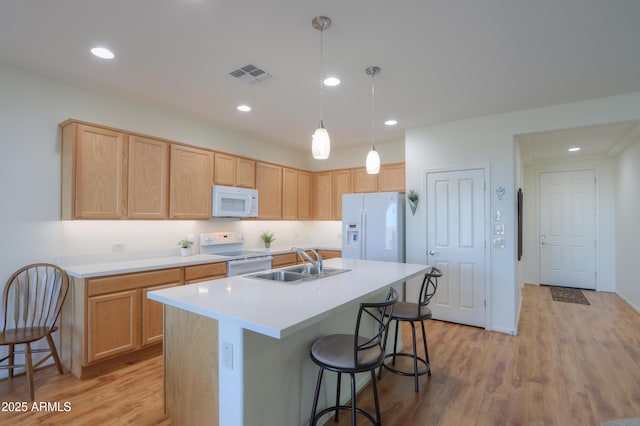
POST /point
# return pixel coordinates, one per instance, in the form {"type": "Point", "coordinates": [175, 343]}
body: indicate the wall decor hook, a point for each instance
{"type": "Point", "coordinates": [500, 192]}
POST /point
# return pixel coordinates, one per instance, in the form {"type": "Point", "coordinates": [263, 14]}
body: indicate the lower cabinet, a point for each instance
{"type": "Point", "coordinates": [285, 259]}
{"type": "Point", "coordinates": [152, 317]}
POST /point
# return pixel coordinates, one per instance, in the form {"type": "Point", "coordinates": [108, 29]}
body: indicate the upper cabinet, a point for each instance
{"type": "Point", "coordinates": [363, 181]}
{"type": "Point", "coordinates": [322, 196]}
{"type": "Point", "coordinates": [289, 194]}
{"type": "Point", "coordinates": [269, 186]}
{"type": "Point", "coordinates": [148, 187]}
{"type": "Point", "coordinates": [191, 177]}
{"type": "Point", "coordinates": [305, 189]}
{"type": "Point", "coordinates": [340, 184]}
{"type": "Point", "coordinates": [234, 171]}
{"type": "Point", "coordinates": [391, 178]}
{"type": "Point", "coordinates": [94, 184]}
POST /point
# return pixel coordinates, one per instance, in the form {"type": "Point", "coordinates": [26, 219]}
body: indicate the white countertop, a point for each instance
{"type": "Point", "coordinates": [279, 309]}
{"type": "Point", "coordinates": [97, 268]}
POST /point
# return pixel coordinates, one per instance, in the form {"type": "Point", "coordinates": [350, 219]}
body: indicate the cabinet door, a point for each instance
{"type": "Point", "coordinates": [289, 194]}
{"type": "Point", "coordinates": [329, 254]}
{"type": "Point", "coordinates": [322, 196]}
{"type": "Point", "coordinates": [285, 259]}
{"type": "Point", "coordinates": [224, 169]}
{"type": "Point", "coordinates": [269, 185]}
{"type": "Point", "coordinates": [245, 173]}
{"type": "Point", "coordinates": [113, 324]}
{"type": "Point", "coordinates": [305, 189]}
{"type": "Point", "coordinates": [191, 177]}
{"type": "Point", "coordinates": [148, 178]}
{"type": "Point", "coordinates": [100, 184]}
{"type": "Point", "coordinates": [391, 177]}
{"type": "Point", "coordinates": [152, 316]}
{"type": "Point", "coordinates": [363, 181]}
{"type": "Point", "coordinates": [206, 272]}
{"type": "Point", "coordinates": [340, 184]}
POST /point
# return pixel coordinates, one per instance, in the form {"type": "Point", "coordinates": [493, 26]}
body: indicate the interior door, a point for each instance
{"type": "Point", "coordinates": [456, 244]}
{"type": "Point", "coordinates": [567, 229]}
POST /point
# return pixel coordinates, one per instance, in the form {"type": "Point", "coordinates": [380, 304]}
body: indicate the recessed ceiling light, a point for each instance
{"type": "Point", "coordinates": [102, 52]}
{"type": "Point", "coordinates": [331, 81]}
{"type": "Point", "coordinates": [244, 108]}
{"type": "Point", "coordinates": [391, 122]}
{"type": "Point", "coordinates": [574, 149]}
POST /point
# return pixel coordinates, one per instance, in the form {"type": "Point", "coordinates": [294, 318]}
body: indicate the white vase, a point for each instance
{"type": "Point", "coordinates": [184, 251]}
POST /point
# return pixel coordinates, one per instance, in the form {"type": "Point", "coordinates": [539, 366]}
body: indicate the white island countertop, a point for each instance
{"type": "Point", "coordinates": [280, 309]}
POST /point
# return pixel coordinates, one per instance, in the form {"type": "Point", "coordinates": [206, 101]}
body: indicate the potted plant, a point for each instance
{"type": "Point", "coordinates": [184, 246]}
{"type": "Point", "coordinates": [267, 237]}
{"type": "Point", "coordinates": [413, 201]}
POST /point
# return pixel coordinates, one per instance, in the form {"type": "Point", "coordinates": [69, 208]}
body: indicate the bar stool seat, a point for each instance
{"type": "Point", "coordinates": [411, 313]}
{"type": "Point", "coordinates": [351, 354]}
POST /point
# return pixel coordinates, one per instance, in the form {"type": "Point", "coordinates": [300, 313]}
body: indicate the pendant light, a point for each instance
{"type": "Point", "coordinates": [373, 159]}
{"type": "Point", "coordinates": [321, 144]}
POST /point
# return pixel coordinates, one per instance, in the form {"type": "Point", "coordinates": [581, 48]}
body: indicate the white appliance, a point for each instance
{"type": "Point", "coordinates": [230, 245]}
{"type": "Point", "coordinates": [373, 226]}
{"type": "Point", "coordinates": [229, 201]}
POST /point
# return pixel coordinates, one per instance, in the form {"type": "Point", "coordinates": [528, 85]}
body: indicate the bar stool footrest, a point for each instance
{"type": "Point", "coordinates": [345, 408]}
{"type": "Point", "coordinates": [426, 370]}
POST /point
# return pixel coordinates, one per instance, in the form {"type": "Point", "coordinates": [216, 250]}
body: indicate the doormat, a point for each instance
{"type": "Point", "coordinates": [568, 295]}
{"type": "Point", "coordinates": [622, 422]}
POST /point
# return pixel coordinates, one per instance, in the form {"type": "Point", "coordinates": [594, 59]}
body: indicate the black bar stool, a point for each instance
{"type": "Point", "coordinates": [354, 353]}
{"type": "Point", "coordinates": [413, 312]}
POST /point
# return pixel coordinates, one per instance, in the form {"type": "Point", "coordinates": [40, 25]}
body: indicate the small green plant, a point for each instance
{"type": "Point", "coordinates": [413, 195]}
{"type": "Point", "coordinates": [185, 243]}
{"type": "Point", "coordinates": [267, 237]}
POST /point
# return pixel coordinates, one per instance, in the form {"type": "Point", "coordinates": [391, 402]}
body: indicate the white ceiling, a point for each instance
{"type": "Point", "coordinates": [441, 60]}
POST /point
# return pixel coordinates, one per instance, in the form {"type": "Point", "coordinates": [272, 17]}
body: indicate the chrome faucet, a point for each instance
{"type": "Point", "coordinates": [304, 256]}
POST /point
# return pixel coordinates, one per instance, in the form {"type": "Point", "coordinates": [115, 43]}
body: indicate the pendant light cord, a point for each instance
{"type": "Point", "coordinates": [373, 108]}
{"type": "Point", "coordinates": [321, 75]}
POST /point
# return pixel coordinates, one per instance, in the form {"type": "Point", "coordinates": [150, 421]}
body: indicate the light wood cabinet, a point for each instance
{"type": "Point", "coordinates": [113, 324]}
{"type": "Point", "coordinates": [289, 194]}
{"type": "Point", "coordinates": [234, 171]}
{"type": "Point", "coordinates": [363, 181]}
{"type": "Point", "coordinates": [208, 271]}
{"type": "Point", "coordinates": [94, 183]}
{"type": "Point", "coordinates": [148, 181]}
{"type": "Point", "coordinates": [305, 189]}
{"type": "Point", "coordinates": [191, 177]}
{"type": "Point", "coordinates": [340, 184]}
{"type": "Point", "coordinates": [245, 173]}
{"type": "Point", "coordinates": [322, 195]}
{"type": "Point", "coordinates": [152, 317]}
{"type": "Point", "coordinates": [392, 177]}
{"type": "Point", "coordinates": [269, 186]}
{"type": "Point", "coordinates": [329, 254]}
{"type": "Point", "coordinates": [284, 259]}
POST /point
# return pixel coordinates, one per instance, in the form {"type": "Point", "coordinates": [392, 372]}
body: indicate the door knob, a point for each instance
{"type": "Point", "coordinates": [433, 253]}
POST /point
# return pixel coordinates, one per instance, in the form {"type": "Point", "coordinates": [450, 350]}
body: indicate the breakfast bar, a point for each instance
{"type": "Point", "coordinates": [236, 350]}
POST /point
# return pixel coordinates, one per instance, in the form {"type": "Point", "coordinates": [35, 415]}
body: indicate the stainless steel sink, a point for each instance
{"type": "Point", "coordinates": [296, 274]}
{"type": "Point", "coordinates": [281, 276]}
{"type": "Point", "coordinates": [313, 272]}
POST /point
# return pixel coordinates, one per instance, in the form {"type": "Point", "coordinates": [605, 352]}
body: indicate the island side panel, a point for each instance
{"type": "Point", "coordinates": [190, 368]}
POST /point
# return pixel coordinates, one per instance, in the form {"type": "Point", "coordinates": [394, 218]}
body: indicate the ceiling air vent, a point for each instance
{"type": "Point", "coordinates": [251, 74]}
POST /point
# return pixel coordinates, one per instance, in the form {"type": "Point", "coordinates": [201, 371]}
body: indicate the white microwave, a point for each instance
{"type": "Point", "coordinates": [229, 201]}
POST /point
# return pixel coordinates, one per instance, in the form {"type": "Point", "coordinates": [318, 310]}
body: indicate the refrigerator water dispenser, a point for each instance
{"type": "Point", "coordinates": [353, 234]}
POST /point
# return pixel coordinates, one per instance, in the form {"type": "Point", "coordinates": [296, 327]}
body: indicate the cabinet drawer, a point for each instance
{"type": "Point", "coordinates": [283, 260]}
{"type": "Point", "coordinates": [116, 283]}
{"type": "Point", "coordinates": [196, 272]}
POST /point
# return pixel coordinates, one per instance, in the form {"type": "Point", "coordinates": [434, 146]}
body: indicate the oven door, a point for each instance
{"type": "Point", "coordinates": [248, 265]}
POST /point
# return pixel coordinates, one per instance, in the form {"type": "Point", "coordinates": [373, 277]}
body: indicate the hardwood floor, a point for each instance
{"type": "Point", "coordinates": [570, 365]}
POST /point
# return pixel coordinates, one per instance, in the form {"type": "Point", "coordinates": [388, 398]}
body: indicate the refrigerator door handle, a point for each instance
{"type": "Point", "coordinates": [363, 240]}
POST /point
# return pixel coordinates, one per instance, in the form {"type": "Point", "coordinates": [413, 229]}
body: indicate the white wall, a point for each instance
{"type": "Point", "coordinates": [490, 140]}
{"type": "Point", "coordinates": [605, 222]}
{"type": "Point", "coordinates": [627, 226]}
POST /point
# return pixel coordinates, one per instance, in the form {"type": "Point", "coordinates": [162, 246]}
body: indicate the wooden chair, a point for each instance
{"type": "Point", "coordinates": [411, 313]}
{"type": "Point", "coordinates": [31, 303]}
{"type": "Point", "coordinates": [351, 354]}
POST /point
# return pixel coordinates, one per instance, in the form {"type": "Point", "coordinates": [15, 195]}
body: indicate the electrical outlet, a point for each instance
{"type": "Point", "coordinates": [117, 247]}
{"type": "Point", "coordinates": [227, 355]}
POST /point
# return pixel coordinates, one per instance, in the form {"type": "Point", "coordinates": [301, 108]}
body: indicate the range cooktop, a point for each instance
{"type": "Point", "coordinates": [241, 253]}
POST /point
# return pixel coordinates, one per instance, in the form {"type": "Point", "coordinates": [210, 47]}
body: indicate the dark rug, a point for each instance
{"type": "Point", "coordinates": [568, 295]}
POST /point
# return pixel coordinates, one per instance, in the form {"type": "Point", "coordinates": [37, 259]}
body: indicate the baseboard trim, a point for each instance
{"type": "Point", "coordinates": [510, 331]}
{"type": "Point", "coordinates": [629, 302]}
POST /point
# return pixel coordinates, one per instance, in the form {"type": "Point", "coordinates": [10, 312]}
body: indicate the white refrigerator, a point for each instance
{"type": "Point", "coordinates": [373, 226]}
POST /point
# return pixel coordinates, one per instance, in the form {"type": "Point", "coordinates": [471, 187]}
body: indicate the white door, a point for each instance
{"type": "Point", "coordinates": [456, 244]}
{"type": "Point", "coordinates": [567, 229]}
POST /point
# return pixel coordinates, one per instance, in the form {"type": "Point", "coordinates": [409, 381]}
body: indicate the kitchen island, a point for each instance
{"type": "Point", "coordinates": [236, 350]}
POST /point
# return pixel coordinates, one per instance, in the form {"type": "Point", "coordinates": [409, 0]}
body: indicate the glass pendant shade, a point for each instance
{"type": "Point", "coordinates": [373, 161]}
{"type": "Point", "coordinates": [321, 144]}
